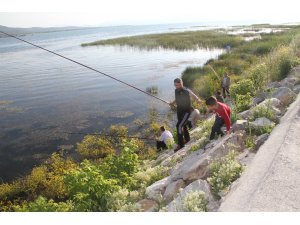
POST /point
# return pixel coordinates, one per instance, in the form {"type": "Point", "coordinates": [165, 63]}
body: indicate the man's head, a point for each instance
{"type": "Point", "coordinates": [218, 92]}
{"type": "Point", "coordinates": [178, 83]}
{"type": "Point", "coordinates": [226, 74]}
{"type": "Point", "coordinates": [162, 129]}
{"type": "Point", "coordinates": [212, 103]}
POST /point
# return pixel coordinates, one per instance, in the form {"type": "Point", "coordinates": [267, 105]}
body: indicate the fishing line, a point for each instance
{"type": "Point", "coordinates": [108, 135]}
{"type": "Point", "coordinates": [88, 67]}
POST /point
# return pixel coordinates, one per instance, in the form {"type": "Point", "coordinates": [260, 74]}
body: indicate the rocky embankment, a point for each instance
{"type": "Point", "coordinates": [189, 170]}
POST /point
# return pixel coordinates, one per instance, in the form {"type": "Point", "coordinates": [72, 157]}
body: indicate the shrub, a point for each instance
{"type": "Point", "coordinates": [267, 129]}
{"type": "Point", "coordinates": [124, 200]}
{"type": "Point", "coordinates": [41, 204]}
{"type": "Point", "coordinates": [259, 76]}
{"type": "Point", "coordinates": [93, 147]}
{"type": "Point", "coordinates": [223, 172]}
{"type": "Point", "coordinates": [280, 61]}
{"type": "Point", "coordinates": [195, 202]}
{"type": "Point", "coordinates": [243, 102]}
{"type": "Point", "coordinates": [243, 87]}
{"type": "Point", "coordinates": [264, 111]}
{"type": "Point", "coordinates": [88, 188]}
{"type": "Point", "coordinates": [8, 191]}
{"type": "Point", "coordinates": [122, 167]}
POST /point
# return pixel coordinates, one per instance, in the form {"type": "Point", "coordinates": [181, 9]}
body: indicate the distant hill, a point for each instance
{"type": "Point", "coordinates": [20, 31]}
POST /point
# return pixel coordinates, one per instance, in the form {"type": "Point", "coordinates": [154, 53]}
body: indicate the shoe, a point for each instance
{"type": "Point", "coordinates": [178, 148]}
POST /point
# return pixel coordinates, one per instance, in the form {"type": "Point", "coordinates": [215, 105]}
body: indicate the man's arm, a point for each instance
{"type": "Point", "coordinates": [195, 97]}
{"type": "Point", "coordinates": [227, 121]}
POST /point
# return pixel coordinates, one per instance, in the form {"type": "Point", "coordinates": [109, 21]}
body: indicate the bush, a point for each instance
{"type": "Point", "coordinates": [280, 61]}
{"type": "Point", "coordinates": [88, 188]}
{"type": "Point", "coordinates": [259, 76]}
{"type": "Point", "coordinates": [195, 202]}
{"type": "Point", "coordinates": [94, 147]}
{"type": "Point", "coordinates": [124, 201]}
{"type": "Point", "coordinates": [122, 167]}
{"type": "Point", "coordinates": [264, 111]}
{"type": "Point", "coordinates": [223, 172]}
{"type": "Point", "coordinates": [243, 102]}
{"type": "Point", "coordinates": [41, 204]}
{"type": "Point", "coordinates": [243, 87]}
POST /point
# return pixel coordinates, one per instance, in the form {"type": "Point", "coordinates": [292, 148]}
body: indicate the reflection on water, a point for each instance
{"type": "Point", "coordinates": [42, 96]}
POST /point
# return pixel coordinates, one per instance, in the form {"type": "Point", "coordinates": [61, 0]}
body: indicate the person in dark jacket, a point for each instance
{"type": "Point", "coordinates": [183, 102]}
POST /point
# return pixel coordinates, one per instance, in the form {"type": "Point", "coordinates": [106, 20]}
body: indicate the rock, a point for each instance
{"type": "Point", "coordinates": [259, 98]}
{"type": "Point", "coordinates": [148, 205]}
{"type": "Point", "coordinates": [199, 185]}
{"type": "Point", "coordinates": [245, 157]}
{"type": "Point", "coordinates": [285, 95]}
{"type": "Point", "coordinates": [172, 190]}
{"type": "Point", "coordinates": [195, 166]}
{"type": "Point", "coordinates": [239, 125]}
{"type": "Point", "coordinates": [296, 89]}
{"type": "Point", "coordinates": [274, 102]}
{"type": "Point", "coordinates": [261, 122]}
{"type": "Point", "coordinates": [273, 85]}
{"type": "Point", "coordinates": [288, 82]}
{"type": "Point", "coordinates": [246, 114]}
{"type": "Point", "coordinates": [156, 190]}
{"type": "Point", "coordinates": [260, 141]}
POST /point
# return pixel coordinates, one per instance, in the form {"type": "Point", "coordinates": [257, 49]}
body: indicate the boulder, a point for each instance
{"type": "Point", "coordinates": [239, 125]}
{"type": "Point", "coordinates": [172, 190]}
{"type": "Point", "coordinates": [274, 102]}
{"type": "Point", "coordinates": [195, 166]}
{"type": "Point", "coordinates": [156, 190]}
{"type": "Point", "coordinates": [296, 89]}
{"type": "Point", "coordinates": [260, 141]}
{"type": "Point", "coordinates": [288, 82]}
{"type": "Point", "coordinates": [246, 114]}
{"type": "Point", "coordinates": [275, 84]}
{"type": "Point", "coordinates": [259, 98]}
{"type": "Point", "coordinates": [147, 205]}
{"type": "Point", "coordinates": [199, 185]}
{"type": "Point", "coordinates": [261, 122]}
{"type": "Point", "coordinates": [285, 95]}
{"type": "Point", "coordinates": [245, 157]}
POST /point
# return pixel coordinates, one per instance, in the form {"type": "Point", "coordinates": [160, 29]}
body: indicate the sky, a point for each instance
{"type": "Point", "coordinates": [49, 13]}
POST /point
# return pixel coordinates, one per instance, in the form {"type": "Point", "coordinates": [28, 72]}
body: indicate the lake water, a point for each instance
{"type": "Point", "coordinates": [41, 95]}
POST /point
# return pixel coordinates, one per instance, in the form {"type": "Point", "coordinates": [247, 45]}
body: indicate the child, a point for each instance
{"type": "Point", "coordinates": [162, 142]}
{"type": "Point", "coordinates": [222, 116]}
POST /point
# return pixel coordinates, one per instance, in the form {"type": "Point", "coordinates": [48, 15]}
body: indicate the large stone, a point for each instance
{"type": "Point", "coordinates": [273, 102]}
{"type": "Point", "coordinates": [239, 125]}
{"type": "Point", "coordinates": [245, 157]}
{"type": "Point", "coordinates": [156, 190]}
{"type": "Point", "coordinates": [246, 114]}
{"type": "Point", "coordinates": [195, 166]}
{"type": "Point", "coordinates": [275, 84]}
{"type": "Point", "coordinates": [199, 185]}
{"type": "Point", "coordinates": [260, 141]}
{"type": "Point", "coordinates": [296, 89]}
{"type": "Point", "coordinates": [172, 190]}
{"type": "Point", "coordinates": [259, 98]}
{"type": "Point", "coordinates": [148, 205]}
{"type": "Point", "coordinates": [285, 95]}
{"type": "Point", "coordinates": [261, 122]}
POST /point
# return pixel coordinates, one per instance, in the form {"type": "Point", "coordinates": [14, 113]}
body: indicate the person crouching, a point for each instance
{"type": "Point", "coordinates": [223, 114]}
{"type": "Point", "coordinates": [165, 137]}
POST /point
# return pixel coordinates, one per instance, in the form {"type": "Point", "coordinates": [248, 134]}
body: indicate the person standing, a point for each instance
{"type": "Point", "coordinates": [226, 85]}
{"type": "Point", "coordinates": [183, 102]}
{"type": "Point", "coordinates": [165, 136]}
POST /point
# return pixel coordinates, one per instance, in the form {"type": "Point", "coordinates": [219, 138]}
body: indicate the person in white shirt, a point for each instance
{"type": "Point", "coordinates": [165, 136]}
{"type": "Point", "coordinates": [194, 117]}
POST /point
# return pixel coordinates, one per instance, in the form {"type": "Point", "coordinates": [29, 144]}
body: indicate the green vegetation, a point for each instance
{"type": "Point", "coordinates": [177, 41]}
{"type": "Point", "coordinates": [195, 202]}
{"type": "Point", "coordinates": [223, 172]}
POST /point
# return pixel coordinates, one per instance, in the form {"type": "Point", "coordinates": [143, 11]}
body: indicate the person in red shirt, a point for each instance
{"type": "Point", "coordinates": [223, 113]}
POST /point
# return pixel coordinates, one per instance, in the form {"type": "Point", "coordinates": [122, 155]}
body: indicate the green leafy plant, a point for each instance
{"type": "Point", "coordinates": [241, 88]}
{"type": "Point", "coordinates": [223, 172]}
{"type": "Point", "coordinates": [243, 102]}
{"type": "Point", "coordinates": [195, 201]}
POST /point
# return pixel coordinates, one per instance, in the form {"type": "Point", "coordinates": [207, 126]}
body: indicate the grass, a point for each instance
{"type": "Point", "coordinates": [190, 40]}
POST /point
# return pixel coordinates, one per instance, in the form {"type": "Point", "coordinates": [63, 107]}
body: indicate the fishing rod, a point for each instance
{"type": "Point", "coordinates": [88, 67]}
{"type": "Point", "coordinates": [109, 135]}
